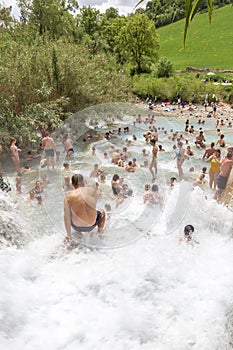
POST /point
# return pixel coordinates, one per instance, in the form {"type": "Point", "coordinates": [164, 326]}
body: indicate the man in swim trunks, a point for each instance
{"type": "Point", "coordinates": [80, 208]}
{"type": "Point", "coordinates": [209, 151]}
{"type": "Point", "coordinates": [200, 139]}
{"type": "Point", "coordinates": [50, 149]}
{"type": "Point", "coordinates": [225, 169]}
{"type": "Point", "coordinates": [68, 147]}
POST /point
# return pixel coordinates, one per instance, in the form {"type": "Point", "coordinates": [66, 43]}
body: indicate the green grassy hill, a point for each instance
{"type": "Point", "coordinates": [207, 46]}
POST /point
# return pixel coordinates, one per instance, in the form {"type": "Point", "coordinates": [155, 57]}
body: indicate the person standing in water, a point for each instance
{"type": "Point", "coordinates": [225, 170]}
{"type": "Point", "coordinates": [80, 208]}
{"type": "Point", "coordinates": [153, 164]}
{"type": "Point", "coordinates": [188, 235]}
{"type": "Point", "coordinates": [180, 156]}
{"type": "Point", "coordinates": [15, 155]}
{"type": "Point", "coordinates": [48, 145]}
{"type": "Point", "coordinates": [215, 161]}
{"type": "Point", "coordinates": [68, 147]}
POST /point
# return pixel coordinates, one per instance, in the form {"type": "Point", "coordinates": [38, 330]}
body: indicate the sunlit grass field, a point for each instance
{"type": "Point", "coordinates": [207, 46]}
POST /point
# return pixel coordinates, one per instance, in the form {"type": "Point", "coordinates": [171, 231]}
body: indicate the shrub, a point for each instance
{"type": "Point", "coordinates": [165, 68]}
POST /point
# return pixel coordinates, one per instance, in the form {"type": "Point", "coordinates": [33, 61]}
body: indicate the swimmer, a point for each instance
{"type": "Point", "coordinates": [108, 211]}
{"type": "Point", "coordinates": [225, 170]}
{"type": "Point", "coordinates": [67, 187]}
{"type": "Point", "coordinates": [189, 151]}
{"type": "Point", "coordinates": [67, 166]}
{"type": "Point", "coordinates": [188, 235]}
{"type": "Point", "coordinates": [134, 165]}
{"type": "Point", "coordinates": [15, 155]}
{"type": "Point", "coordinates": [80, 208]}
{"type": "Point", "coordinates": [146, 194]}
{"type": "Point", "coordinates": [93, 151]}
{"type": "Point", "coordinates": [199, 180]}
{"type": "Point", "coordinates": [209, 151]}
{"type": "Point", "coordinates": [49, 147]}
{"type": "Point", "coordinates": [68, 147]}
{"type": "Point", "coordinates": [102, 178]}
{"type": "Point", "coordinates": [145, 164]}
{"type": "Point", "coordinates": [145, 153]}
{"type": "Point", "coordinates": [129, 167]}
{"type": "Point", "coordinates": [96, 171]}
{"type": "Point", "coordinates": [172, 181]}
{"type": "Point", "coordinates": [120, 162]}
{"type": "Point", "coordinates": [161, 149]}
{"type": "Point", "coordinates": [36, 192]}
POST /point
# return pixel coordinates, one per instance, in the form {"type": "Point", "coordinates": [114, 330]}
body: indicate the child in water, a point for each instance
{"type": "Point", "coordinates": [188, 235]}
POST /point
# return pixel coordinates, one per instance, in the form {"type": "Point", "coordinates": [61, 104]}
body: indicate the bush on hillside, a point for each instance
{"type": "Point", "coordinates": [166, 89]}
{"type": "Point", "coordinates": [165, 68]}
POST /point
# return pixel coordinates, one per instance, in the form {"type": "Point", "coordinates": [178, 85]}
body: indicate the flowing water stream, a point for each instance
{"type": "Point", "coordinates": [138, 287]}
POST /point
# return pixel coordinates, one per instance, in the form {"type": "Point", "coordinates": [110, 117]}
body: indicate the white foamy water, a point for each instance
{"type": "Point", "coordinates": [132, 290]}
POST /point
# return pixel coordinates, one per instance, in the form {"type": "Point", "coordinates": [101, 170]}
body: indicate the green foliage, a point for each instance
{"type": "Point", "coordinates": [6, 20]}
{"type": "Point", "coordinates": [110, 29]}
{"type": "Point", "coordinates": [166, 89]}
{"type": "Point", "coordinates": [164, 12]}
{"type": "Point", "coordinates": [206, 47]}
{"type": "Point", "coordinates": [137, 41]}
{"type": "Point", "coordinates": [110, 13]}
{"type": "Point", "coordinates": [165, 68]}
{"type": "Point", "coordinates": [89, 20]}
{"type": "Point", "coordinates": [25, 125]}
{"type": "Point", "coordinates": [52, 17]}
{"type": "Point", "coordinates": [41, 78]}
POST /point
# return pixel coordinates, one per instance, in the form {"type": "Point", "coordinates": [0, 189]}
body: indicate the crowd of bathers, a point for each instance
{"type": "Point", "coordinates": [154, 142]}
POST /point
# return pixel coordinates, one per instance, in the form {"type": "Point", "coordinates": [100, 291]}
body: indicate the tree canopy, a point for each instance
{"type": "Point", "coordinates": [138, 41]}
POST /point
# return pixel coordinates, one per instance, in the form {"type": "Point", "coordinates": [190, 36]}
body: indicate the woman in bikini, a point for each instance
{"type": "Point", "coordinates": [180, 156]}
{"type": "Point", "coordinates": [221, 142]}
{"type": "Point", "coordinates": [153, 163]}
{"type": "Point", "coordinates": [15, 155]}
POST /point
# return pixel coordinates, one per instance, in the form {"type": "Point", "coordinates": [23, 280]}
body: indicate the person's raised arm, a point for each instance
{"type": "Point", "coordinates": [209, 159]}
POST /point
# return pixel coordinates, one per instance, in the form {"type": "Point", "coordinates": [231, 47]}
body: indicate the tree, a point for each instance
{"type": "Point", "coordinates": [51, 17]}
{"type": "Point", "coordinates": [110, 29]}
{"type": "Point", "coordinates": [111, 12]}
{"type": "Point", "coordinates": [89, 20]}
{"type": "Point", "coordinates": [138, 42]}
{"type": "Point", "coordinates": [6, 19]}
{"type": "Point", "coordinates": [165, 68]}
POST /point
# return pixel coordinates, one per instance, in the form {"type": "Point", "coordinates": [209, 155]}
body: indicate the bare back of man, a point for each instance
{"type": "Point", "coordinates": [225, 169]}
{"type": "Point", "coordinates": [80, 209]}
{"type": "Point", "coordinates": [49, 146]}
{"type": "Point", "coordinates": [82, 203]}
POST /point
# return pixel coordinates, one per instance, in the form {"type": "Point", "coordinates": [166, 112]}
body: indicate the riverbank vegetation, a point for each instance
{"type": "Point", "coordinates": [56, 61]}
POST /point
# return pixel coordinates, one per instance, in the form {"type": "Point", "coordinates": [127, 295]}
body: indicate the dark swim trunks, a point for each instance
{"type": "Point", "coordinates": [221, 182]}
{"type": "Point", "coordinates": [88, 228]}
{"type": "Point", "coordinates": [71, 150]}
{"type": "Point", "coordinates": [49, 152]}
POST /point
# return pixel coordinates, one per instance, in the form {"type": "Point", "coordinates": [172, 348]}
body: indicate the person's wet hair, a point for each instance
{"type": "Point", "coordinates": [107, 207]}
{"type": "Point", "coordinates": [115, 177]}
{"type": "Point", "coordinates": [154, 188]}
{"type": "Point", "coordinates": [77, 180]}
{"type": "Point", "coordinates": [188, 230]}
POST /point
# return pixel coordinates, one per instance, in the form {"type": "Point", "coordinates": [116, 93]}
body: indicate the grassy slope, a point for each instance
{"type": "Point", "coordinates": [207, 46]}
